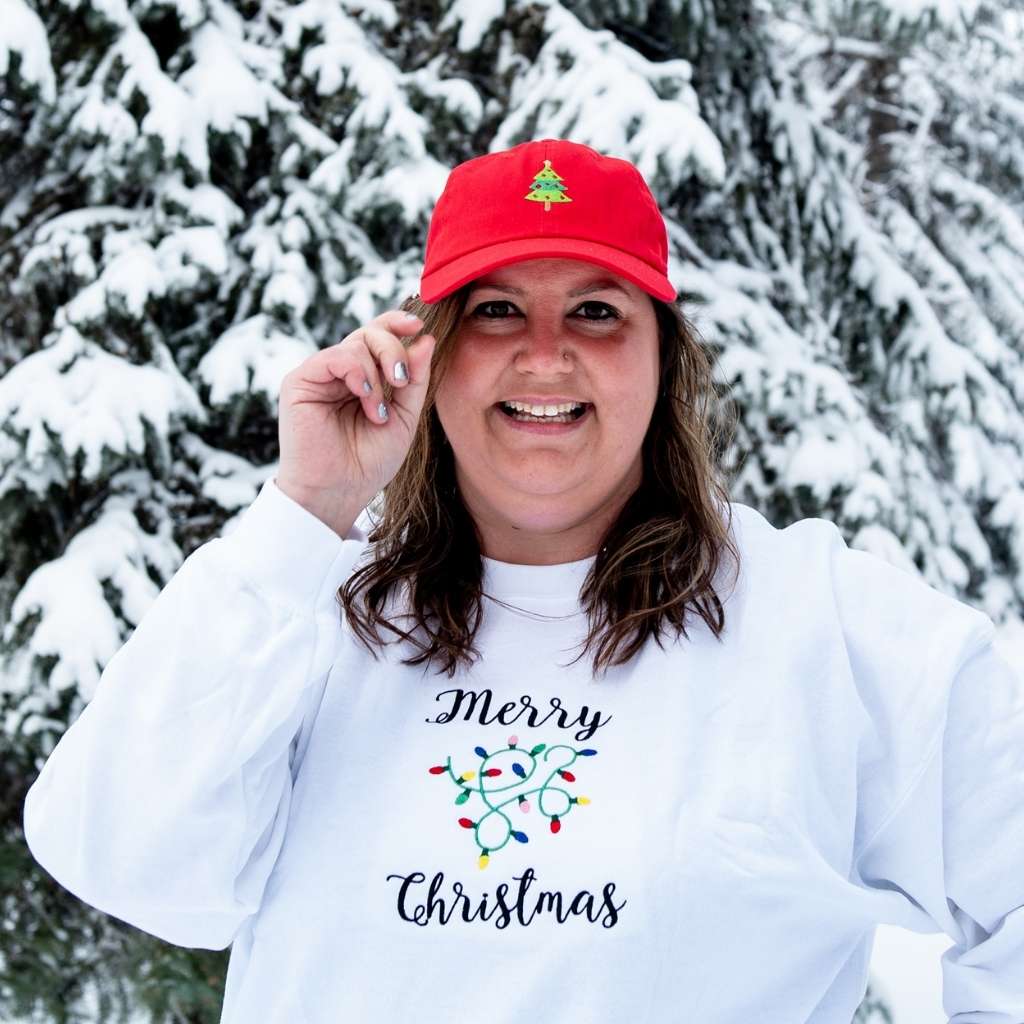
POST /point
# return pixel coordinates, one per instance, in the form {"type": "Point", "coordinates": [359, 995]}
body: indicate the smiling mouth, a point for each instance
{"type": "Point", "coordinates": [570, 416]}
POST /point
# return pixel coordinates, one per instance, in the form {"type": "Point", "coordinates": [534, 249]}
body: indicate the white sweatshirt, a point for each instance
{"type": "Point", "coordinates": [710, 833]}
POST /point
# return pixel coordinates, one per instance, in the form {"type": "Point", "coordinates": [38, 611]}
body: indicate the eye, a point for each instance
{"type": "Point", "coordinates": [593, 303]}
{"type": "Point", "coordinates": [493, 302]}
{"type": "Point", "coordinates": [601, 305]}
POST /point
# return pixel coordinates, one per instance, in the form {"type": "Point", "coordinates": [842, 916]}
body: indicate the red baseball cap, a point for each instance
{"type": "Point", "coordinates": [547, 197]}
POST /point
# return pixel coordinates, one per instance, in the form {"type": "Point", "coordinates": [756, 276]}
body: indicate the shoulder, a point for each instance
{"type": "Point", "coordinates": [760, 528]}
{"type": "Point", "coordinates": [869, 582]}
{"type": "Point", "coordinates": [794, 544]}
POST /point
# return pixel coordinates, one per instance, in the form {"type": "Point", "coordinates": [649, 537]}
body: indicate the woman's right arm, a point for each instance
{"type": "Point", "coordinates": [165, 803]}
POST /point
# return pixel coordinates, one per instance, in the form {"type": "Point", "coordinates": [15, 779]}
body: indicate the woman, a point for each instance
{"type": "Point", "coordinates": [453, 820]}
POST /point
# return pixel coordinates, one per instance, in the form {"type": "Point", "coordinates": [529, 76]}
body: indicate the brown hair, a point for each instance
{"type": "Point", "coordinates": [660, 556]}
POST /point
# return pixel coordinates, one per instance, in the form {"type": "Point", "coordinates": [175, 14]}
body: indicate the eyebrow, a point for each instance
{"type": "Point", "coordinates": [600, 284]}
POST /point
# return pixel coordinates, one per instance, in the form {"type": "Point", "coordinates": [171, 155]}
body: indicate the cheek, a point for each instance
{"type": "Point", "coordinates": [445, 404]}
{"type": "Point", "coordinates": [455, 402]}
{"type": "Point", "coordinates": [632, 381]}
{"type": "Point", "coordinates": [464, 388]}
{"type": "Point", "coordinates": [630, 402]}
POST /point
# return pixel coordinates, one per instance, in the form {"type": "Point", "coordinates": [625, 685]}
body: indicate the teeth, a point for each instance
{"type": "Point", "coordinates": [544, 410]}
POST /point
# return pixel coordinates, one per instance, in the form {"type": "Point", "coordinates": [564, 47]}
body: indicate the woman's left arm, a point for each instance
{"type": "Point", "coordinates": [955, 843]}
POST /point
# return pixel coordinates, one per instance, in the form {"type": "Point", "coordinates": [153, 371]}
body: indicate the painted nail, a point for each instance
{"type": "Point", "coordinates": [367, 387]}
{"type": "Point", "coordinates": [382, 411]}
{"type": "Point", "coordinates": [401, 372]}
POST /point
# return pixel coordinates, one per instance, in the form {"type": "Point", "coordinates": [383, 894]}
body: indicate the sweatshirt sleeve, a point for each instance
{"type": "Point", "coordinates": [955, 844]}
{"type": "Point", "coordinates": [942, 842]}
{"type": "Point", "coordinates": [165, 802]}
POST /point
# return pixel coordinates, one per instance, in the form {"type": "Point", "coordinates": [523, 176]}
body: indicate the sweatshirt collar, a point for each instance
{"type": "Point", "coordinates": [513, 581]}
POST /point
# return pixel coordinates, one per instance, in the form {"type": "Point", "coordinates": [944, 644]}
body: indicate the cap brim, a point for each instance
{"type": "Point", "coordinates": [453, 275]}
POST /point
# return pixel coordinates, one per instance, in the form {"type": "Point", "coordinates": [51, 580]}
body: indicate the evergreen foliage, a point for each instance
{"type": "Point", "coordinates": [195, 195]}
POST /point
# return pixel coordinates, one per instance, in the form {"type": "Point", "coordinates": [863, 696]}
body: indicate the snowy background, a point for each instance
{"type": "Point", "coordinates": [197, 194]}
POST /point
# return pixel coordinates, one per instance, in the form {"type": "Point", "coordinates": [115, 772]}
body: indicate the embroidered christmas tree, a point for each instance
{"type": "Point", "coordinates": [543, 766]}
{"type": "Point", "coordinates": [547, 187]}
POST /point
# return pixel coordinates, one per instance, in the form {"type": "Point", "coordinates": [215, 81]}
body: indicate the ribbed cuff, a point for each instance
{"type": "Point", "coordinates": [288, 553]}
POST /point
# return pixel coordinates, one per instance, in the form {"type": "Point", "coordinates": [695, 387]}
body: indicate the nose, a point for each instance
{"type": "Point", "coordinates": [544, 350]}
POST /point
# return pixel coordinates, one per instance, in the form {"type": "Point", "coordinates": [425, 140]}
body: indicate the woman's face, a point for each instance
{"type": "Point", "coordinates": [542, 332]}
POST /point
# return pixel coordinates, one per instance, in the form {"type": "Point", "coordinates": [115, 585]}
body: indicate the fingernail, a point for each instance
{"type": "Point", "coordinates": [411, 316]}
{"type": "Point", "coordinates": [401, 373]}
{"type": "Point", "coordinates": [367, 387]}
{"type": "Point", "coordinates": [382, 411]}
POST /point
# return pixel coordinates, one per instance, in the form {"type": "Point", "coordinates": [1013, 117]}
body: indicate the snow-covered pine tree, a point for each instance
{"type": "Point", "coordinates": [914, 260]}
{"type": "Point", "coordinates": [195, 195]}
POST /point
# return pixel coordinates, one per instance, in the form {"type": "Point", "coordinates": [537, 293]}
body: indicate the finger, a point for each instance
{"type": "Point", "coordinates": [371, 394]}
{"type": "Point", "coordinates": [389, 351]}
{"type": "Point", "coordinates": [351, 363]}
{"type": "Point", "coordinates": [333, 371]}
{"type": "Point", "coordinates": [420, 355]}
{"type": "Point", "coordinates": [399, 321]}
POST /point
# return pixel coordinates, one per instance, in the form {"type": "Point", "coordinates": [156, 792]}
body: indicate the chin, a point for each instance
{"type": "Point", "coordinates": [532, 498]}
{"type": "Point", "coordinates": [538, 486]}
{"type": "Point", "coordinates": [542, 509]}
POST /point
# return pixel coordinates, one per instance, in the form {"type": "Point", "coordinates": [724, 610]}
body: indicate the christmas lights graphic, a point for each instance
{"type": "Point", "coordinates": [495, 819]}
{"type": "Point", "coordinates": [547, 187]}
